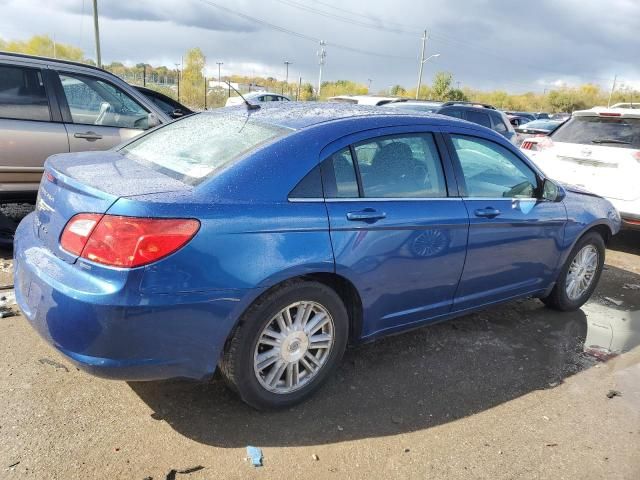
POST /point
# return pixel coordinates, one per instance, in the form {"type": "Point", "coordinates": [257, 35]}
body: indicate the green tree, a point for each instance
{"type": "Point", "coordinates": [457, 95]}
{"type": "Point", "coordinates": [44, 46]}
{"type": "Point", "coordinates": [192, 86]}
{"type": "Point", "coordinates": [397, 90]}
{"type": "Point", "coordinates": [441, 85]}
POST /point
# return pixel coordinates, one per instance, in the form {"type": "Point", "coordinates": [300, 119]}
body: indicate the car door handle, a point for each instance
{"type": "Point", "coordinates": [88, 136]}
{"type": "Point", "coordinates": [367, 215]}
{"type": "Point", "coordinates": [488, 212]}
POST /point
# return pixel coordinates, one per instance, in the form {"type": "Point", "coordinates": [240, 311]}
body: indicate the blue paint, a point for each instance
{"type": "Point", "coordinates": [425, 261]}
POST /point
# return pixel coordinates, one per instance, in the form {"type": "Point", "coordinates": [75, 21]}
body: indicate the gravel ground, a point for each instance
{"type": "Point", "coordinates": [517, 391]}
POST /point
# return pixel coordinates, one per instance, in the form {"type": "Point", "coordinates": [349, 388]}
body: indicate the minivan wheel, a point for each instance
{"type": "Point", "coordinates": [580, 274]}
{"type": "Point", "coordinates": [286, 345]}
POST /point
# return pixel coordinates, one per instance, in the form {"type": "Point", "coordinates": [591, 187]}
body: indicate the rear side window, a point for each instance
{"type": "Point", "coordinates": [345, 174]}
{"type": "Point", "coordinates": [402, 166]}
{"type": "Point", "coordinates": [309, 187]}
{"type": "Point", "coordinates": [22, 94]}
{"type": "Point", "coordinates": [480, 118]}
{"type": "Point", "coordinates": [452, 112]}
{"type": "Point", "coordinates": [196, 147]}
{"type": "Point", "coordinates": [606, 131]}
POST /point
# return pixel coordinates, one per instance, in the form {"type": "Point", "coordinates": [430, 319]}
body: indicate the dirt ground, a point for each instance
{"type": "Point", "coordinates": [517, 391]}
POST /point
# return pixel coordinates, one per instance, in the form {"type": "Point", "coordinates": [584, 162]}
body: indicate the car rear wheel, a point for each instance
{"type": "Point", "coordinates": [286, 345]}
{"type": "Point", "coordinates": [580, 274]}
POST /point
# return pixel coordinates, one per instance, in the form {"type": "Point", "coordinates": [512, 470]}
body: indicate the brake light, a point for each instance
{"type": "Point", "coordinates": [527, 146]}
{"type": "Point", "coordinates": [609, 114]}
{"type": "Point", "coordinates": [127, 241]}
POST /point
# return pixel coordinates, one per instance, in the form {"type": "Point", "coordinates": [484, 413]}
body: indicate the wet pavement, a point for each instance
{"type": "Point", "coordinates": [516, 391]}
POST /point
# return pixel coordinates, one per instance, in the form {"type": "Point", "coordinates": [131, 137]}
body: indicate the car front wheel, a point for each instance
{"type": "Point", "coordinates": [286, 345]}
{"type": "Point", "coordinates": [580, 274]}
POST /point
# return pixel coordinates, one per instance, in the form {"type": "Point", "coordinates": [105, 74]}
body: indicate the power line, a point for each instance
{"type": "Point", "coordinates": [298, 34]}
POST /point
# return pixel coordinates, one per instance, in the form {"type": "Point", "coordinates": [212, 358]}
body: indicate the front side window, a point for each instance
{"type": "Point", "coordinates": [22, 94]}
{"type": "Point", "coordinates": [492, 171]}
{"type": "Point", "coordinates": [198, 146]}
{"type": "Point", "coordinates": [95, 102]}
{"type": "Point", "coordinates": [402, 166]}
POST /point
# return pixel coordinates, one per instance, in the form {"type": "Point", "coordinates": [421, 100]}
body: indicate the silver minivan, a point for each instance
{"type": "Point", "coordinates": [52, 106]}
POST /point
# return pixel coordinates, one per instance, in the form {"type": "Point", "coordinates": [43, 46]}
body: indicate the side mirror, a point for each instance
{"type": "Point", "coordinates": [551, 191]}
{"type": "Point", "coordinates": [152, 120]}
{"type": "Point", "coordinates": [177, 113]}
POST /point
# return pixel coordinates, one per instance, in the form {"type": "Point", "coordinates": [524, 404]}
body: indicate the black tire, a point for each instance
{"type": "Point", "coordinates": [237, 365]}
{"type": "Point", "coordinates": [558, 298]}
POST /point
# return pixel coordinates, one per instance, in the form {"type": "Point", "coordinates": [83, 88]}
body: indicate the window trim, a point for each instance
{"type": "Point", "coordinates": [462, 184]}
{"type": "Point", "coordinates": [64, 104]}
{"type": "Point", "coordinates": [48, 94]}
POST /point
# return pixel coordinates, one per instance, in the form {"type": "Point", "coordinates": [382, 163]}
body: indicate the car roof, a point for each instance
{"type": "Point", "coordinates": [300, 115]}
{"type": "Point", "coordinates": [608, 112]}
{"type": "Point", "coordinates": [49, 60]}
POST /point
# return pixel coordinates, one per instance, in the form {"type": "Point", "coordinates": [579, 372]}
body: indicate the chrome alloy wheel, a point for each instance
{"type": "Point", "coordinates": [581, 272]}
{"type": "Point", "coordinates": [293, 347]}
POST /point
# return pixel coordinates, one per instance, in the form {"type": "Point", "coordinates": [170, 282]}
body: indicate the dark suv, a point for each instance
{"type": "Point", "coordinates": [482, 114]}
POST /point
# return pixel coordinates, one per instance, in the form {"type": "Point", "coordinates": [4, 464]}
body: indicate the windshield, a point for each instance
{"type": "Point", "coordinates": [608, 131]}
{"type": "Point", "coordinates": [194, 148]}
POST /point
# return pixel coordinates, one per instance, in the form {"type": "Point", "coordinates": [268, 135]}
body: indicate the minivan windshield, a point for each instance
{"type": "Point", "coordinates": [606, 131]}
{"type": "Point", "coordinates": [194, 148]}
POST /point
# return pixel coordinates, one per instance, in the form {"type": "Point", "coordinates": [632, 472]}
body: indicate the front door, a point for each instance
{"type": "Point", "coordinates": [396, 234]}
{"type": "Point", "coordinates": [514, 237]}
{"type": "Point", "coordinates": [99, 115]}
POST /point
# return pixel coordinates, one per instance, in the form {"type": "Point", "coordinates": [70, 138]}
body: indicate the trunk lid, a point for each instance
{"type": "Point", "coordinates": [610, 172]}
{"type": "Point", "coordinates": [90, 182]}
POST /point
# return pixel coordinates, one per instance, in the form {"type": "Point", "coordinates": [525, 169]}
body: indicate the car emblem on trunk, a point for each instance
{"type": "Point", "coordinates": [586, 152]}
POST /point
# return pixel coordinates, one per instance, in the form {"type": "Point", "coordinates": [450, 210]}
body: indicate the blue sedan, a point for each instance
{"type": "Point", "coordinates": [264, 241]}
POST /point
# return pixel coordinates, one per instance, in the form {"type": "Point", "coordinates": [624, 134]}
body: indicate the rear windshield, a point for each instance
{"type": "Point", "coordinates": [607, 131]}
{"type": "Point", "coordinates": [194, 148]}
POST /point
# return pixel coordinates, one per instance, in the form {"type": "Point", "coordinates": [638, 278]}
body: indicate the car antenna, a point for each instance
{"type": "Point", "coordinates": [250, 106]}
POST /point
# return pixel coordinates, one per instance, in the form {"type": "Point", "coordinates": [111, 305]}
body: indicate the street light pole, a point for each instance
{"type": "Point", "coordinates": [286, 63]}
{"type": "Point", "coordinates": [322, 53]}
{"type": "Point", "coordinates": [424, 46]}
{"type": "Point", "coordinates": [96, 32]}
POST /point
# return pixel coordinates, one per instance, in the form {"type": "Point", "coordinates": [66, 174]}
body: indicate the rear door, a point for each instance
{"type": "Point", "coordinates": [397, 228]}
{"type": "Point", "coordinates": [97, 113]}
{"type": "Point", "coordinates": [30, 127]}
{"type": "Point", "coordinates": [514, 238]}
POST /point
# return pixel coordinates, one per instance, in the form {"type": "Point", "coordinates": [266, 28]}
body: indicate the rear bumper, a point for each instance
{"type": "Point", "coordinates": [629, 212]}
{"type": "Point", "coordinates": [109, 328]}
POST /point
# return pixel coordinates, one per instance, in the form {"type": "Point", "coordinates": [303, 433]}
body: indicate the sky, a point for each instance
{"type": "Point", "coordinates": [484, 44]}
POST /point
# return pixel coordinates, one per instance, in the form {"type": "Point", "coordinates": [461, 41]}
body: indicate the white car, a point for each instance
{"type": "Point", "coordinates": [599, 150]}
{"type": "Point", "coordinates": [257, 97]}
{"type": "Point", "coordinates": [374, 100]}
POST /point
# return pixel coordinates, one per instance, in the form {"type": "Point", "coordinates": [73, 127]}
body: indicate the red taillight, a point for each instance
{"type": "Point", "coordinates": [131, 241]}
{"type": "Point", "coordinates": [77, 231]}
{"type": "Point", "coordinates": [609, 114]}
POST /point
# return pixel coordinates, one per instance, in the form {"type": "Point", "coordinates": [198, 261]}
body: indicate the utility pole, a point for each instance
{"type": "Point", "coordinates": [286, 64]}
{"type": "Point", "coordinates": [369, 85]}
{"type": "Point", "coordinates": [458, 84]}
{"type": "Point", "coordinates": [144, 74]}
{"type": "Point", "coordinates": [424, 46]}
{"type": "Point", "coordinates": [178, 77]}
{"type": "Point", "coordinates": [205, 92]}
{"type": "Point", "coordinates": [54, 46]}
{"type": "Point", "coordinates": [299, 87]}
{"type": "Point", "coordinates": [613, 87]}
{"type": "Point", "coordinates": [322, 53]}
{"type": "Point", "coordinates": [219, 65]}
{"type": "Point", "coordinates": [96, 31]}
